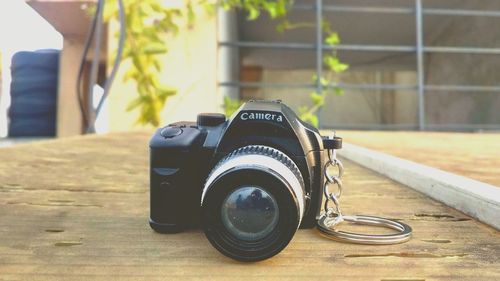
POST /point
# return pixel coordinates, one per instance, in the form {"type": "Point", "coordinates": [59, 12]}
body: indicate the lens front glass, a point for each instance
{"type": "Point", "coordinates": [249, 213]}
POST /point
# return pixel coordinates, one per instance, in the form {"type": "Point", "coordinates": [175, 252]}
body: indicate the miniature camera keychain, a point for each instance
{"type": "Point", "coordinates": [251, 181]}
{"type": "Point", "coordinates": [333, 217]}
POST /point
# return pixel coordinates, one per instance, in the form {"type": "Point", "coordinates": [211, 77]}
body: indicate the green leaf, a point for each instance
{"type": "Point", "coordinates": [154, 48]}
{"type": "Point", "coordinates": [210, 8]}
{"type": "Point", "coordinates": [302, 109]}
{"type": "Point", "coordinates": [134, 103]}
{"type": "Point", "coordinates": [313, 120]}
{"type": "Point", "coordinates": [253, 13]}
{"type": "Point", "coordinates": [137, 62]}
{"type": "Point", "coordinates": [317, 99]}
{"type": "Point", "coordinates": [271, 9]}
{"type": "Point", "coordinates": [190, 13]}
{"type": "Point", "coordinates": [310, 118]}
{"type": "Point", "coordinates": [324, 82]}
{"type": "Point", "coordinates": [338, 91]}
{"type": "Point", "coordinates": [281, 8]}
{"type": "Point", "coordinates": [282, 26]}
{"type": "Point", "coordinates": [157, 65]}
{"type": "Point", "coordinates": [335, 65]}
{"type": "Point", "coordinates": [165, 92]}
{"type": "Point", "coordinates": [333, 39]}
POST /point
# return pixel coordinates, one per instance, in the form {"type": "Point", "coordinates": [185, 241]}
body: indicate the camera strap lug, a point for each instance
{"type": "Point", "coordinates": [332, 142]}
{"type": "Point", "coordinates": [332, 216]}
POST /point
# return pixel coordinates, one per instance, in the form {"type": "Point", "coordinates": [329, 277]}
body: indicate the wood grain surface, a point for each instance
{"type": "Point", "coordinates": [77, 209]}
{"type": "Point", "coordinates": [472, 155]}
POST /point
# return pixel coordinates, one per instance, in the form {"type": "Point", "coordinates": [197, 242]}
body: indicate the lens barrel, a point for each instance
{"type": "Point", "coordinates": [252, 203]}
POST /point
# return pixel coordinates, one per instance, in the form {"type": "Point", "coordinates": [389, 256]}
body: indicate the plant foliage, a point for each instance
{"type": "Point", "coordinates": [147, 24]}
{"type": "Point", "coordinates": [332, 62]}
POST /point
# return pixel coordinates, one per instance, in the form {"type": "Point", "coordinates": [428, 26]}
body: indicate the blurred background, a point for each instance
{"type": "Point", "coordinates": [357, 64]}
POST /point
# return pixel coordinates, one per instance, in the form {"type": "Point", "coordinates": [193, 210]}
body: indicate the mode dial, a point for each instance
{"type": "Point", "coordinates": [210, 119]}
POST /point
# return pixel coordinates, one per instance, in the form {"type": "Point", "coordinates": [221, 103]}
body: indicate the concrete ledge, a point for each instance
{"type": "Point", "coordinates": [475, 198]}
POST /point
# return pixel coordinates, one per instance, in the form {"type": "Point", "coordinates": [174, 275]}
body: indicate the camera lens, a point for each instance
{"type": "Point", "coordinates": [252, 203]}
{"type": "Point", "coordinates": [250, 213]}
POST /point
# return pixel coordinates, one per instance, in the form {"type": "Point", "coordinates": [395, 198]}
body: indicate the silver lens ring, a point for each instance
{"type": "Point", "coordinates": [264, 158]}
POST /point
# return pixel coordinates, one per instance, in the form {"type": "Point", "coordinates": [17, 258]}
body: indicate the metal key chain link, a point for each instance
{"type": "Point", "coordinates": [332, 215]}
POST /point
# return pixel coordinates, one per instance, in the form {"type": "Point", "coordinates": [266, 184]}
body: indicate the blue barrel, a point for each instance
{"type": "Point", "coordinates": [33, 91]}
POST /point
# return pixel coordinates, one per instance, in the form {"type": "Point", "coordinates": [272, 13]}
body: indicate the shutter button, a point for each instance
{"type": "Point", "coordinates": [170, 132]}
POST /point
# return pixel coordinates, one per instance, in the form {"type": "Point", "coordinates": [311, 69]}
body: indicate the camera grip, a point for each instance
{"type": "Point", "coordinates": [164, 200]}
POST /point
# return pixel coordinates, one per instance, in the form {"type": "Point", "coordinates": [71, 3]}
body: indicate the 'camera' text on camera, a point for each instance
{"type": "Point", "coordinates": [261, 116]}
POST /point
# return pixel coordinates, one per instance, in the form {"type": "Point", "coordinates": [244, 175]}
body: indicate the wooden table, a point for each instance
{"type": "Point", "coordinates": [77, 209]}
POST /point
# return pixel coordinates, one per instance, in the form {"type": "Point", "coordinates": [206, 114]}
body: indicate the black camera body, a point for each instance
{"type": "Point", "coordinates": [249, 181]}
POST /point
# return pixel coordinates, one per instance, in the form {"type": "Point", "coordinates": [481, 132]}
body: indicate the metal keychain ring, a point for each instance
{"type": "Point", "coordinates": [403, 235]}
